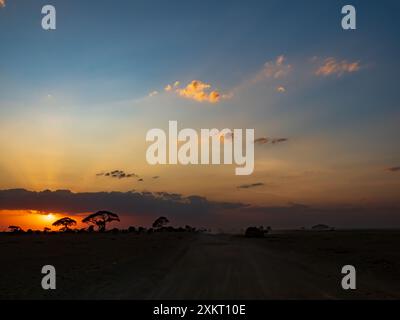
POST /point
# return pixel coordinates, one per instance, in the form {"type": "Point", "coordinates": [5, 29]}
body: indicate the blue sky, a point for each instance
{"type": "Point", "coordinates": [103, 51]}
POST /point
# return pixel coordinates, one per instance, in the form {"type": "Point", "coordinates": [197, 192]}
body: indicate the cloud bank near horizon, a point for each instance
{"type": "Point", "coordinates": [198, 210]}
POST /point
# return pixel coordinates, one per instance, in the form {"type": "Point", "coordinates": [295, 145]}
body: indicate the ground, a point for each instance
{"type": "Point", "coordinates": [284, 265]}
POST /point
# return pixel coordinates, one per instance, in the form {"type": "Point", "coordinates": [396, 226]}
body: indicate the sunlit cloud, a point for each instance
{"type": "Point", "coordinates": [276, 69]}
{"type": "Point", "coordinates": [153, 93]}
{"type": "Point", "coordinates": [273, 70]}
{"type": "Point", "coordinates": [331, 66]}
{"type": "Point", "coordinates": [2, 3]}
{"type": "Point", "coordinates": [203, 92]}
{"type": "Point", "coordinates": [199, 91]}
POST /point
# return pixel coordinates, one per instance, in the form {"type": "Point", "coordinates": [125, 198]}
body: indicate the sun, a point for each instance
{"type": "Point", "coordinates": [49, 217]}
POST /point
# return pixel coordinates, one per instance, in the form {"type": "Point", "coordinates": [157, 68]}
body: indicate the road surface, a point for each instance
{"type": "Point", "coordinates": [223, 267]}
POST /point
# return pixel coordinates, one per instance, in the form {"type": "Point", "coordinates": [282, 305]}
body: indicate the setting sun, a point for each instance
{"type": "Point", "coordinates": [49, 217]}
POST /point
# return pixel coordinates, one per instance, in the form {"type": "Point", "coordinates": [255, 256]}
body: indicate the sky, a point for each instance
{"type": "Point", "coordinates": [76, 104]}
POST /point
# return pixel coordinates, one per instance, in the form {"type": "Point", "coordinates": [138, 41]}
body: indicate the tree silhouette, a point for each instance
{"type": "Point", "coordinates": [254, 232]}
{"type": "Point", "coordinates": [15, 229]}
{"type": "Point", "coordinates": [160, 222]}
{"type": "Point", "coordinates": [101, 218]}
{"type": "Point", "coordinates": [66, 223]}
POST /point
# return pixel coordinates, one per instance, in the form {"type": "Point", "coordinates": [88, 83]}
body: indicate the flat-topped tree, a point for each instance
{"type": "Point", "coordinates": [15, 229]}
{"type": "Point", "coordinates": [160, 222]}
{"type": "Point", "coordinates": [66, 223]}
{"type": "Point", "coordinates": [100, 219]}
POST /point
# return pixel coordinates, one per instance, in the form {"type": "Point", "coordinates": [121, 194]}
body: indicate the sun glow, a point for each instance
{"type": "Point", "coordinates": [27, 219]}
{"type": "Point", "coordinates": [49, 217]}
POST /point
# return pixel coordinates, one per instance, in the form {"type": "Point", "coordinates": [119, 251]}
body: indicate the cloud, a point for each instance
{"type": "Point", "coordinates": [265, 140]}
{"type": "Point", "coordinates": [393, 169]}
{"type": "Point", "coordinates": [228, 95]}
{"type": "Point", "coordinates": [145, 204]}
{"type": "Point", "coordinates": [298, 205]}
{"type": "Point", "coordinates": [280, 89]}
{"type": "Point", "coordinates": [169, 196]}
{"type": "Point", "coordinates": [170, 87]}
{"type": "Point", "coordinates": [276, 69]}
{"type": "Point", "coordinates": [261, 140]}
{"type": "Point", "coordinates": [2, 3]}
{"type": "Point", "coordinates": [197, 210]}
{"type": "Point", "coordinates": [203, 92]}
{"type": "Point", "coordinates": [153, 93]}
{"type": "Point", "coordinates": [252, 185]}
{"type": "Point", "coordinates": [332, 67]}
{"type": "Point", "coordinates": [117, 174]}
{"type": "Point", "coordinates": [279, 140]}
{"type": "Point", "coordinates": [199, 91]}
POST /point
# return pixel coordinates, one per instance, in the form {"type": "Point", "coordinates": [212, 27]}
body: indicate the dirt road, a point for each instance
{"type": "Point", "coordinates": [218, 267]}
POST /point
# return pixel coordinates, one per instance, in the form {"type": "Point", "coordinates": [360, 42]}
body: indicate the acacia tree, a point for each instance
{"type": "Point", "coordinates": [100, 219]}
{"type": "Point", "coordinates": [66, 223]}
{"type": "Point", "coordinates": [160, 222]}
{"type": "Point", "coordinates": [15, 229]}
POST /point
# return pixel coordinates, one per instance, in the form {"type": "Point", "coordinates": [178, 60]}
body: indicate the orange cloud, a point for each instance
{"type": "Point", "coordinates": [2, 3]}
{"type": "Point", "coordinates": [274, 69]}
{"type": "Point", "coordinates": [199, 91]}
{"type": "Point", "coordinates": [331, 67]}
